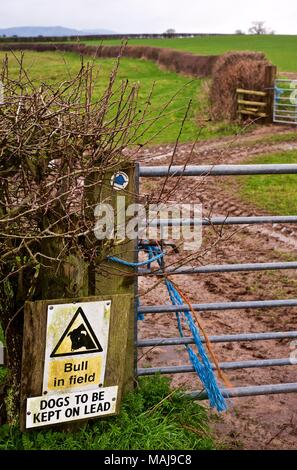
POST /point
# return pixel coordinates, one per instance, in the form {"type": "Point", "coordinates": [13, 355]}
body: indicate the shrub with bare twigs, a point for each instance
{"type": "Point", "coordinates": [56, 144]}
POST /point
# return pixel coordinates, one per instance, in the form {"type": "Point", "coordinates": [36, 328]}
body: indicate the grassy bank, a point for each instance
{"type": "Point", "coordinates": [152, 418]}
{"type": "Point", "coordinates": [280, 49]}
{"type": "Point", "coordinates": [55, 67]}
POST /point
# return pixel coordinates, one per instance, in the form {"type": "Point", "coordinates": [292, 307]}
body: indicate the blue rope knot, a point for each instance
{"type": "Point", "coordinates": [138, 264]}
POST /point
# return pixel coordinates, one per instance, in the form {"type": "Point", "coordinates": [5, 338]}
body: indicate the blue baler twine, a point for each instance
{"type": "Point", "coordinates": [201, 364]}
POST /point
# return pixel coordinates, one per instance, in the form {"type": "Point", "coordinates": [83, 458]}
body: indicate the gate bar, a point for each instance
{"type": "Point", "coordinates": [218, 170]}
{"type": "Point", "coordinates": [143, 343]}
{"type": "Point", "coordinates": [286, 111]}
{"type": "Point", "coordinates": [220, 268]}
{"type": "Point", "coordinates": [145, 309]}
{"type": "Point", "coordinates": [223, 365]}
{"type": "Point", "coordinates": [251, 390]}
{"type": "Point", "coordinates": [263, 219]}
{"type": "Point", "coordinates": [286, 89]}
{"type": "Point", "coordinates": [287, 98]}
{"type": "Point", "coordinates": [282, 121]}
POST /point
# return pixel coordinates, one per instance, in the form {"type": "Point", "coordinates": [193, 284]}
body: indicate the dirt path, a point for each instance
{"type": "Point", "coordinates": [266, 422]}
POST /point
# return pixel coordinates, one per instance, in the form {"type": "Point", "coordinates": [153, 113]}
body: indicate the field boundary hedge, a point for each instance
{"type": "Point", "coordinates": [105, 37]}
{"type": "Point", "coordinates": [176, 61]}
{"type": "Point", "coordinates": [240, 69]}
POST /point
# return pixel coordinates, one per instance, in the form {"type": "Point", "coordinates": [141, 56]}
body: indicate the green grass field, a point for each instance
{"type": "Point", "coordinates": [274, 193]}
{"type": "Point", "coordinates": [55, 67]}
{"type": "Point", "coordinates": [281, 50]}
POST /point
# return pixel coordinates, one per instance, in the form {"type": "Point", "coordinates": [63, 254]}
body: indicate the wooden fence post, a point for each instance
{"type": "Point", "coordinates": [112, 278]}
{"type": "Point", "coordinates": [269, 81]}
{"type": "Point", "coordinates": [239, 97]}
{"type": "Point", "coordinates": [73, 280]}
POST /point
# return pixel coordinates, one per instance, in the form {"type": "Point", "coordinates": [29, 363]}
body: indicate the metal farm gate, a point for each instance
{"type": "Point", "coordinates": [285, 101]}
{"type": "Point", "coordinates": [248, 390]}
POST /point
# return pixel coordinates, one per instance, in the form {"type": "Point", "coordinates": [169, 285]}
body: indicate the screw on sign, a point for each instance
{"type": "Point", "coordinates": [119, 180]}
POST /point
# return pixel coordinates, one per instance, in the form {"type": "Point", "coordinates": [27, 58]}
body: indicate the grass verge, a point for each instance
{"type": "Point", "coordinates": [275, 193]}
{"type": "Point", "coordinates": [151, 418]}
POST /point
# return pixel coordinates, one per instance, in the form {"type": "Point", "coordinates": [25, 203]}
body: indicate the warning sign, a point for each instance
{"type": "Point", "coordinates": [76, 346]}
{"type": "Point", "coordinates": [44, 411]}
{"type": "Point", "coordinates": [78, 338]}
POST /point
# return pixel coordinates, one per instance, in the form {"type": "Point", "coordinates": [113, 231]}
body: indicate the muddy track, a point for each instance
{"type": "Point", "coordinates": [267, 422]}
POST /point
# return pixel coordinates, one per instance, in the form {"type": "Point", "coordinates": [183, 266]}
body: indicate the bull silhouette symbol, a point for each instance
{"type": "Point", "coordinates": [80, 338]}
{"type": "Point", "coordinates": [83, 338]}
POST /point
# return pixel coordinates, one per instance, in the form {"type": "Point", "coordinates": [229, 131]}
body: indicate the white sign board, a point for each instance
{"type": "Point", "coordinates": [54, 409]}
{"type": "Point", "coordinates": [76, 346]}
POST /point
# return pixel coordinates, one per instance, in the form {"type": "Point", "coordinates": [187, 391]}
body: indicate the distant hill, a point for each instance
{"type": "Point", "coordinates": [35, 31]}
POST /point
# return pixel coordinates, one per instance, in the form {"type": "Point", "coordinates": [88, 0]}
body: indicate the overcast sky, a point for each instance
{"type": "Point", "coordinates": [151, 16]}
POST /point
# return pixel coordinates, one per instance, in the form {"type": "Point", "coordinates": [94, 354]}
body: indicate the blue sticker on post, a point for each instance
{"type": "Point", "coordinates": [119, 180]}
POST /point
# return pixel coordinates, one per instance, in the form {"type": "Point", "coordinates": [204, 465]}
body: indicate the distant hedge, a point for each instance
{"type": "Point", "coordinates": [105, 37]}
{"type": "Point", "coordinates": [180, 62]}
{"type": "Point", "coordinates": [229, 71]}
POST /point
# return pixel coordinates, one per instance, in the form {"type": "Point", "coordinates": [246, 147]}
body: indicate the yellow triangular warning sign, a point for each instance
{"type": "Point", "coordinates": [78, 338]}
